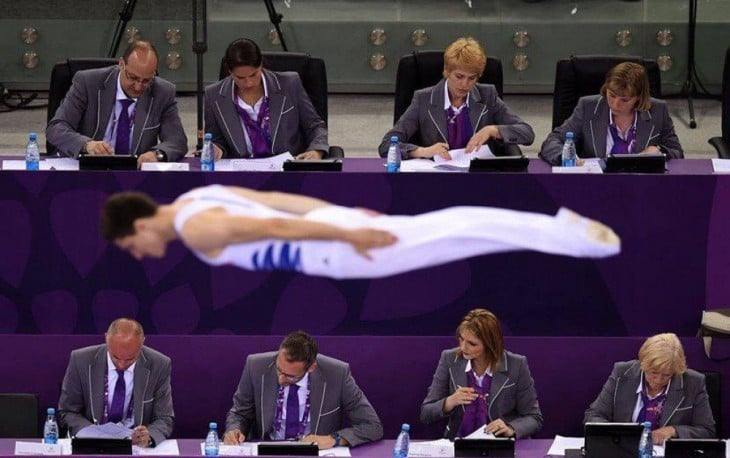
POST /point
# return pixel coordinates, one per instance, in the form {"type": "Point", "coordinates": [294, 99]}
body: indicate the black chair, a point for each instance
{"type": "Point", "coordinates": [312, 72]}
{"type": "Point", "coordinates": [61, 78]}
{"type": "Point", "coordinates": [722, 144]}
{"type": "Point", "coordinates": [578, 76]}
{"type": "Point", "coordinates": [421, 69]}
{"type": "Point", "coordinates": [713, 383]}
{"type": "Point", "coordinates": [19, 415]}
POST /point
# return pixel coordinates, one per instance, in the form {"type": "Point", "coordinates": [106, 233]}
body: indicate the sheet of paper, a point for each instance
{"type": "Point", "coordinates": [61, 163]}
{"type": "Point", "coordinates": [460, 159]}
{"type": "Point", "coordinates": [37, 448]}
{"type": "Point", "coordinates": [269, 164]}
{"type": "Point", "coordinates": [166, 166]}
{"type": "Point", "coordinates": [335, 451]}
{"type": "Point", "coordinates": [721, 165]}
{"type": "Point", "coordinates": [560, 443]}
{"type": "Point", "coordinates": [105, 431]}
{"type": "Point", "coordinates": [417, 165]}
{"type": "Point", "coordinates": [480, 433]}
{"type": "Point", "coordinates": [591, 165]}
{"type": "Point", "coordinates": [437, 448]}
{"type": "Point", "coordinates": [165, 448]}
{"type": "Point", "coordinates": [245, 449]}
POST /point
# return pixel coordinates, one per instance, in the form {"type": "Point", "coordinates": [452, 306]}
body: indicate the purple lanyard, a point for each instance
{"type": "Point", "coordinates": [651, 409]}
{"type": "Point", "coordinates": [621, 146]}
{"type": "Point", "coordinates": [105, 418]}
{"type": "Point", "coordinates": [280, 411]}
{"type": "Point", "coordinates": [258, 129]}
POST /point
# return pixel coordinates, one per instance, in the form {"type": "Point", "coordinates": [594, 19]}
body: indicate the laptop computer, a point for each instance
{"type": "Point", "coordinates": [612, 440]}
{"type": "Point", "coordinates": [98, 446]}
{"type": "Point", "coordinates": [694, 448]}
{"type": "Point", "coordinates": [636, 163]}
{"type": "Point", "coordinates": [500, 164]}
{"type": "Point", "coordinates": [87, 162]}
{"type": "Point", "coordinates": [288, 448]}
{"type": "Point", "coordinates": [498, 447]}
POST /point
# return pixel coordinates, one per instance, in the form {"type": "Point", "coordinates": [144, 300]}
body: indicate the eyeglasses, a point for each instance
{"type": "Point", "coordinates": [134, 79]}
{"type": "Point", "coordinates": [289, 377]}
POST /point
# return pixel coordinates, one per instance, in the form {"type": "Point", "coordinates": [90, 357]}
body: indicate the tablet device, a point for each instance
{"type": "Point", "coordinates": [636, 163]}
{"type": "Point", "coordinates": [288, 448]}
{"type": "Point", "coordinates": [500, 164]}
{"type": "Point", "coordinates": [499, 447]}
{"type": "Point", "coordinates": [87, 162]}
{"type": "Point", "coordinates": [612, 440]}
{"type": "Point", "coordinates": [694, 448]}
{"type": "Point", "coordinates": [319, 165]}
{"type": "Point", "coordinates": [98, 446]}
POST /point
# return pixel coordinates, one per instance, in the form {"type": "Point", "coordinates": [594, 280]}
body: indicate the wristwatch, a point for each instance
{"type": "Point", "coordinates": [336, 436]}
{"type": "Point", "coordinates": [161, 156]}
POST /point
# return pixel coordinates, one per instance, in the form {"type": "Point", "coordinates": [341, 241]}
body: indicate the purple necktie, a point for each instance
{"type": "Point", "coordinates": [116, 411]}
{"type": "Point", "coordinates": [292, 413]}
{"type": "Point", "coordinates": [124, 128]}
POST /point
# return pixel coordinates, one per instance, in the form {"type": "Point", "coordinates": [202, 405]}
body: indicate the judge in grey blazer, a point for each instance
{"type": "Point", "coordinates": [481, 383]}
{"type": "Point", "coordinates": [657, 388]}
{"type": "Point", "coordinates": [623, 119]}
{"type": "Point", "coordinates": [128, 97]}
{"type": "Point", "coordinates": [457, 112]}
{"type": "Point", "coordinates": [144, 393]}
{"type": "Point", "coordinates": [294, 393]}
{"type": "Point", "coordinates": [255, 112]}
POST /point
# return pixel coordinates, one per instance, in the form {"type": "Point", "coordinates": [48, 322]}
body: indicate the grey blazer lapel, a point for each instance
{"type": "Point", "coordinates": [106, 100]}
{"type": "Point", "coordinates": [269, 390]}
{"type": "Point", "coordinates": [625, 397]}
{"type": "Point", "coordinates": [436, 112]}
{"type": "Point", "coordinates": [97, 374]}
{"type": "Point", "coordinates": [224, 104]}
{"type": "Point", "coordinates": [499, 380]}
{"type": "Point", "coordinates": [141, 117]}
{"type": "Point", "coordinates": [141, 380]}
{"type": "Point", "coordinates": [675, 396]}
{"type": "Point", "coordinates": [645, 129]}
{"type": "Point", "coordinates": [477, 109]}
{"type": "Point", "coordinates": [318, 386]}
{"type": "Point", "coordinates": [277, 99]}
{"type": "Point", "coordinates": [598, 126]}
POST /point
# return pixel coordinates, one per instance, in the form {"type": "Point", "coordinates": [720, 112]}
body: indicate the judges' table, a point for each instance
{"type": "Point", "coordinates": [58, 276]}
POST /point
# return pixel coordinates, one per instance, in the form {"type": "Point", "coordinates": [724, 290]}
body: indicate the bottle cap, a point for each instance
{"type": "Point", "coordinates": [208, 136]}
{"type": "Point", "coordinates": [568, 135]}
{"type": "Point", "coordinates": [213, 425]}
{"type": "Point", "coordinates": [33, 136]}
{"type": "Point", "coordinates": [394, 139]}
{"type": "Point", "coordinates": [51, 411]}
{"type": "Point", "coordinates": [647, 424]}
{"type": "Point", "coordinates": [406, 427]}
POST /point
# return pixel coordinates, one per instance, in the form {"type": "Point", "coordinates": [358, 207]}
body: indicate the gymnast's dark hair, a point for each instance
{"type": "Point", "coordinates": [243, 52]}
{"type": "Point", "coordinates": [121, 211]}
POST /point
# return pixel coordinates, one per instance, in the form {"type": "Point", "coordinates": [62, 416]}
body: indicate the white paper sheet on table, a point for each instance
{"type": "Point", "coordinates": [37, 448]}
{"type": "Point", "coordinates": [245, 449]}
{"type": "Point", "coordinates": [336, 451]}
{"type": "Point", "coordinates": [167, 447]}
{"type": "Point", "coordinates": [560, 443]}
{"type": "Point", "coordinates": [268, 164]}
{"type": "Point", "coordinates": [56, 163]}
{"type": "Point", "coordinates": [165, 166]}
{"type": "Point", "coordinates": [591, 165]}
{"type": "Point", "coordinates": [721, 165]}
{"type": "Point", "coordinates": [418, 165]}
{"type": "Point", "coordinates": [460, 159]}
{"type": "Point", "coordinates": [105, 431]}
{"type": "Point", "coordinates": [480, 433]}
{"type": "Point", "coordinates": [437, 448]}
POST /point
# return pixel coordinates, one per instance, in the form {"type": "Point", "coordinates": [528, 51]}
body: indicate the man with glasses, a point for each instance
{"type": "Point", "coordinates": [123, 109]}
{"type": "Point", "coordinates": [296, 394]}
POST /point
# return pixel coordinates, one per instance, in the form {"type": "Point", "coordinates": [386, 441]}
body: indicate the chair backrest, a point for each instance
{"type": "Point", "coordinates": [19, 415]}
{"type": "Point", "coordinates": [726, 98]}
{"type": "Point", "coordinates": [311, 70]}
{"type": "Point", "coordinates": [422, 69]}
{"type": "Point", "coordinates": [578, 76]}
{"type": "Point", "coordinates": [713, 383]}
{"type": "Point", "coordinates": [61, 78]}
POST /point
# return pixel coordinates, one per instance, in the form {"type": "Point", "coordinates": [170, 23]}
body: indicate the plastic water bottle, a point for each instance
{"type": "Point", "coordinates": [50, 428]}
{"type": "Point", "coordinates": [32, 154]}
{"type": "Point", "coordinates": [211, 440]}
{"type": "Point", "coordinates": [394, 155]}
{"type": "Point", "coordinates": [207, 156]}
{"type": "Point", "coordinates": [569, 155]}
{"type": "Point", "coordinates": [646, 444]}
{"type": "Point", "coordinates": [400, 450]}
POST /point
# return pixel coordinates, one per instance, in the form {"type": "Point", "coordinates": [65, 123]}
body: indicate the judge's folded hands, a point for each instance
{"type": "Point", "coordinates": [233, 437]}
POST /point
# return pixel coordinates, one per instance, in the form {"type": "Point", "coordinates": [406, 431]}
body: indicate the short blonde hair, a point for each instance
{"type": "Point", "coordinates": [663, 352]}
{"type": "Point", "coordinates": [629, 79]}
{"type": "Point", "coordinates": [465, 53]}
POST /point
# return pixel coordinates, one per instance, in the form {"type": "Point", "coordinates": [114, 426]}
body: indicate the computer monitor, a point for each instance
{"type": "Point", "coordinates": [612, 440]}
{"type": "Point", "coordinates": [87, 162]}
{"type": "Point", "coordinates": [288, 448]}
{"type": "Point", "coordinates": [500, 164]}
{"type": "Point", "coordinates": [98, 446]}
{"type": "Point", "coordinates": [694, 448]}
{"type": "Point", "coordinates": [498, 447]}
{"type": "Point", "coordinates": [636, 163]}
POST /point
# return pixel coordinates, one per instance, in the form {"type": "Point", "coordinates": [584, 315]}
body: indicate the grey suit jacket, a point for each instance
{"type": "Point", "coordinates": [512, 396]}
{"type": "Point", "coordinates": [687, 407]}
{"type": "Point", "coordinates": [427, 116]}
{"type": "Point", "coordinates": [589, 124]}
{"type": "Point", "coordinates": [295, 125]}
{"type": "Point", "coordinates": [333, 393]}
{"type": "Point", "coordinates": [82, 392]}
{"type": "Point", "coordinates": [85, 112]}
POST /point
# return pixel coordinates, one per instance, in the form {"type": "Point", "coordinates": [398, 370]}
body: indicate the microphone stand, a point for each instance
{"type": "Point", "coordinates": [692, 80]}
{"type": "Point", "coordinates": [200, 46]}
{"type": "Point", "coordinates": [125, 15]}
{"type": "Point", "coordinates": [275, 19]}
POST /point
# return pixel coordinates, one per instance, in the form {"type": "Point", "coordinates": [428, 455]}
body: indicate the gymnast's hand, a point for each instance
{"type": "Point", "coordinates": [364, 240]}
